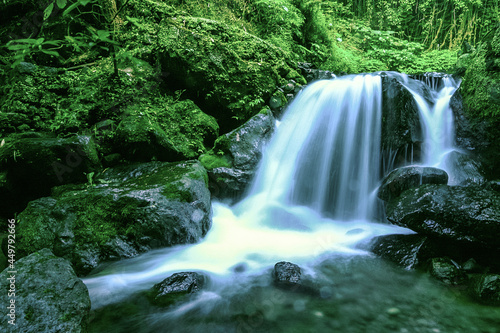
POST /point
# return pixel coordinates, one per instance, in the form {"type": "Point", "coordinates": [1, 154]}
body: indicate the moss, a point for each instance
{"type": "Point", "coordinates": [211, 161]}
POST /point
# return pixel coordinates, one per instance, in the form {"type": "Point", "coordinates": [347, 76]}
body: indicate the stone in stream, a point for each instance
{"type": "Point", "coordinates": [176, 285]}
{"type": "Point", "coordinates": [49, 297]}
{"type": "Point", "coordinates": [287, 274]}
{"type": "Point", "coordinates": [468, 215]}
{"type": "Point", "coordinates": [446, 270]}
{"type": "Point", "coordinates": [408, 177]}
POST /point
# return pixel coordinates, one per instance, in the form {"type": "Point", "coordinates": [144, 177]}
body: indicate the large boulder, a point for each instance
{"type": "Point", "coordinates": [34, 163]}
{"type": "Point", "coordinates": [228, 72]}
{"type": "Point", "coordinates": [127, 211]}
{"type": "Point", "coordinates": [403, 250]}
{"type": "Point", "coordinates": [176, 285]}
{"type": "Point", "coordinates": [404, 178]}
{"type": "Point", "coordinates": [233, 161]}
{"type": "Point", "coordinates": [470, 215]}
{"type": "Point", "coordinates": [49, 297]}
{"type": "Point", "coordinates": [401, 130]}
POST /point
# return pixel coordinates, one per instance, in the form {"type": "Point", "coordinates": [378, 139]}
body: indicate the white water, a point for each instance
{"type": "Point", "coordinates": [437, 121]}
{"type": "Point", "coordinates": [313, 196]}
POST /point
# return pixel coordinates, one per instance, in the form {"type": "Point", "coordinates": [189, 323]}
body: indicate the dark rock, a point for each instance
{"type": "Point", "coordinates": [129, 210]}
{"type": "Point", "coordinates": [404, 178]}
{"type": "Point", "coordinates": [401, 129]}
{"type": "Point", "coordinates": [486, 288]}
{"type": "Point", "coordinates": [287, 274]}
{"type": "Point", "coordinates": [178, 284]}
{"type": "Point", "coordinates": [232, 163]}
{"type": "Point", "coordinates": [404, 250]}
{"type": "Point", "coordinates": [446, 270]}
{"type": "Point", "coordinates": [465, 169]}
{"type": "Point", "coordinates": [49, 297]}
{"type": "Point", "coordinates": [140, 139]}
{"type": "Point", "coordinates": [470, 215]}
{"type": "Point", "coordinates": [36, 163]}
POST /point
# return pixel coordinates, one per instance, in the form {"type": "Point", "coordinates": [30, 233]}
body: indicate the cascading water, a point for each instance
{"type": "Point", "coordinates": [312, 203]}
{"type": "Point", "coordinates": [313, 194]}
{"type": "Point", "coordinates": [437, 120]}
{"type": "Point", "coordinates": [325, 155]}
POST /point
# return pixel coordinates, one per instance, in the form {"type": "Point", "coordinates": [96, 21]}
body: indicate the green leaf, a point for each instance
{"type": "Point", "coordinates": [50, 52]}
{"type": "Point", "coordinates": [48, 11]}
{"type": "Point", "coordinates": [61, 3]}
{"type": "Point", "coordinates": [16, 47]}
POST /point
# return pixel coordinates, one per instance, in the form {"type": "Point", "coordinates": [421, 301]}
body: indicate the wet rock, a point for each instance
{"type": "Point", "coordinates": [287, 274]}
{"type": "Point", "coordinates": [404, 250]}
{"type": "Point", "coordinates": [178, 284]}
{"type": "Point", "coordinates": [49, 297]}
{"type": "Point", "coordinates": [35, 163]}
{"type": "Point", "coordinates": [470, 215]}
{"type": "Point", "coordinates": [404, 178]}
{"type": "Point", "coordinates": [466, 168]}
{"type": "Point", "coordinates": [129, 210]}
{"type": "Point", "coordinates": [446, 270]}
{"type": "Point", "coordinates": [486, 288]}
{"type": "Point", "coordinates": [401, 129]}
{"type": "Point", "coordinates": [233, 161]}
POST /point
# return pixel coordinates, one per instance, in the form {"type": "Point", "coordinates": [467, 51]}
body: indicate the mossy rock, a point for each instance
{"type": "Point", "coordinates": [165, 131]}
{"type": "Point", "coordinates": [233, 161]}
{"type": "Point", "coordinates": [129, 210]}
{"type": "Point", "coordinates": [49, 297]}
{"type": "Point", "coordinates": [228, 72]}
{"type": "Point", "coordinates": [36, 162]}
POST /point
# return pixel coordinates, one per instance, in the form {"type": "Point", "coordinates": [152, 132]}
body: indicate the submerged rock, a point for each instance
{"type": "Point", "coordinates": [178, 284]}
{"type": "Point", "coordinates": [404, 178]}
{"type": "Point", "coordinates": [233, 161]}
{"type": "Point", "coordinates": [49, 297]}
{"type": "Point", "coordinates": [486, 288]}
{"type": "Point", "coordinates": [470, 215]}
{"type": "Point", "coordinates": [130, 210]}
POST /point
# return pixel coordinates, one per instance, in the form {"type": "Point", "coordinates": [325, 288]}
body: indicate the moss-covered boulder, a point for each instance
{"type": "Point", "coordinates": [470, 215]}
{"type": "Point", "coordinates": [228, 72]}
{"type": "Point", "coordinates": [128, 210]}
{"type": "Point", "coordinates": [232, 163]}
{"type": "Point", "coordinates": [34, 163]}
{"type": "Point", "coordinates": [165, 131]}
{"type": "Point", "coordinates": [49, 297]}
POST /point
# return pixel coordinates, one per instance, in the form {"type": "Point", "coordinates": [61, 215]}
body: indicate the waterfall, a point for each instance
{"type": "Point", "coordinates": [325, 154]}
{"type": "Point", "coordinates": [313, 195]}
{"type": "Point", "coordinates": [437, 120]}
